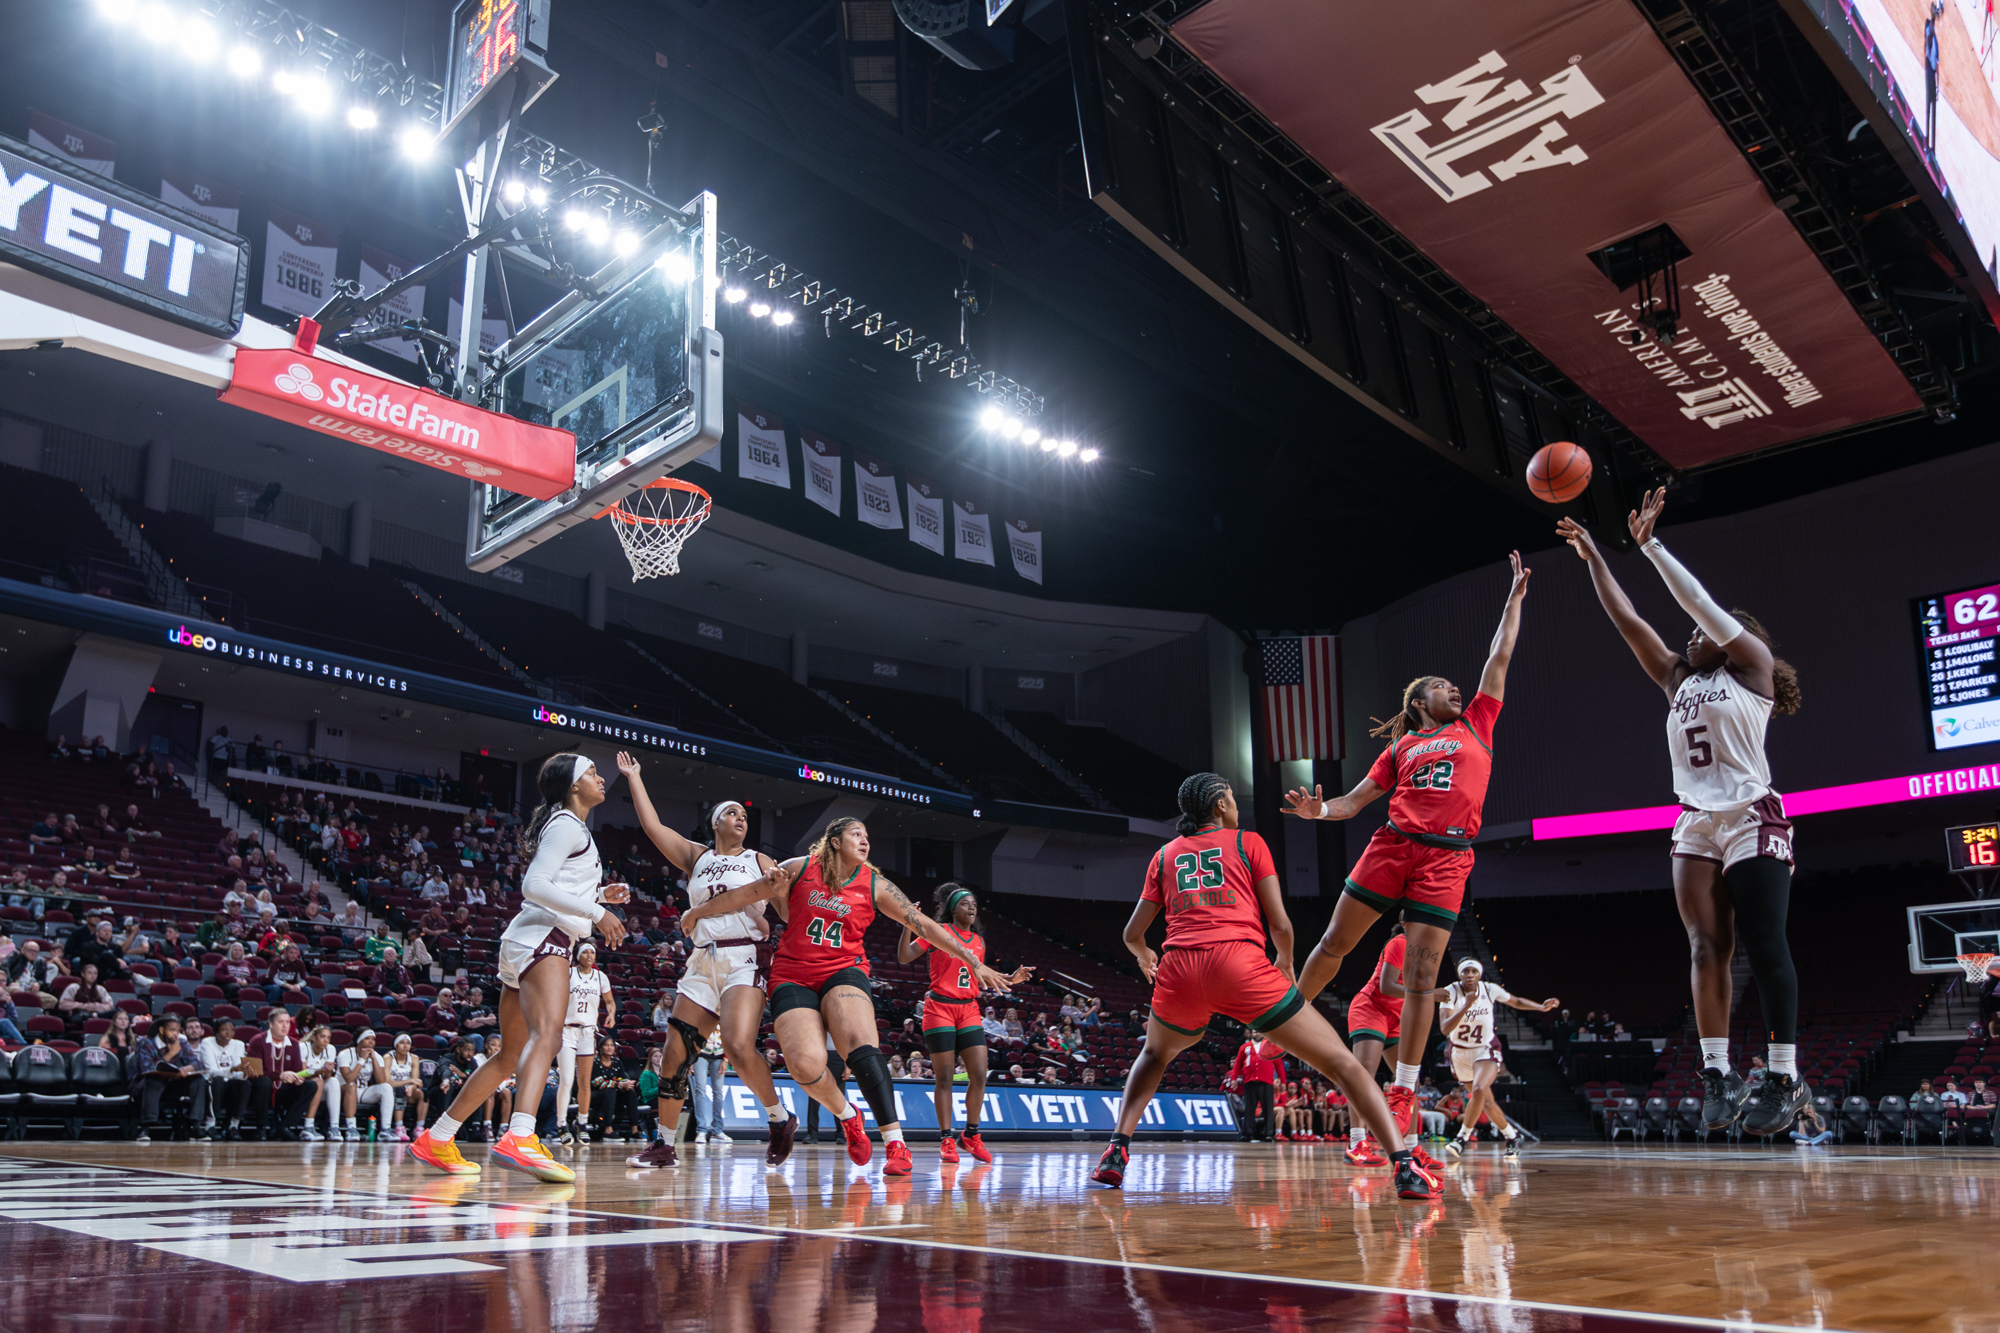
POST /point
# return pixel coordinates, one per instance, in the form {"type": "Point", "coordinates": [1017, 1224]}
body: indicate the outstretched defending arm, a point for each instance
{"type": "Point", "coordinates": [677, 849]}
{"type": "Point", "coordinates": [1516, 1002]}
{"type": "Point", "coordinates": [1662, 663]}
{"type": "Point", "coordinates": [1314, 805]}
{"type": "Point", "coordinates": [1493, 680]}
{"type": "Point", "coordinates": [1746, 652]}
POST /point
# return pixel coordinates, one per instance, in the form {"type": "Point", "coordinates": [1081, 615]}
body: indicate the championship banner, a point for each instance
{"type": "Point", "coordinates": [203, 197]}
{"type": "Point", "coordinates": [1512, 143]}
{"type": "Point", "coordinates": [401, 419]}
{"type": "Point", "coordinates": [378, 270]}
{"type": "Point", "coordinates": [92, 152]}
{"type": "Point", "coordinates": [299, 255]}
{"type": "Point", "coordinates": [972, 532]}
{"type": "Point", "coordinates": [822, 471]}
{"type": "Point", "coordinates": [760, 447]}
{"type": "Point", "coordinates": [1024, 543]}
{"type": "Point", "coordinates": [493, 332]}
{"type": "Point", "coordinates": [875, 501]}
{"type": "Point", "coordinates": [1009, 1110]}
{"type": "Point", "coordinates": [926, 514]}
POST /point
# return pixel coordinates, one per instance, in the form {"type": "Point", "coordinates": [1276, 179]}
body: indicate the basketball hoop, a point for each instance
{"type": "Point", "coordinates": [655, 521]}
{"type": "Point", "coordinates": [1975, 965]}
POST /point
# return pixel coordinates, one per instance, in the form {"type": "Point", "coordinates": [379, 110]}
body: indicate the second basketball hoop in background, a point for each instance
{"type": "Point", "coordinates": [654, 522]}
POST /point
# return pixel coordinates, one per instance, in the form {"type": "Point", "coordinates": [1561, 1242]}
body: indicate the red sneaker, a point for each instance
{"type": "Point", "coordinates": [948, 1149]}
{"type": "Point", "coordinates": [858, 1148]}
{"type": "Point", "coordinates": [1403, 1107]}
{"type": "Point", "coordinates": [1111, 1167]}
{"type": "Point", "coordinates": [1426, 1161]}
{"type": "Point", "coordinates": [897, 1158]}
{"type": "Point", "coordinates": [974, 1146]}
{"type": "Point", "coordinates": [1365, 1153]}
{"type": "Point", "coordinates": [1415, 1181]}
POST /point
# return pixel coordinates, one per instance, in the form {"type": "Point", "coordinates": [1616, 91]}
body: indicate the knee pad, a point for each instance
{"type": "Point", "coordinates": [871, 1074]}
{"type": "Point", "coordinates": [674, 1086]}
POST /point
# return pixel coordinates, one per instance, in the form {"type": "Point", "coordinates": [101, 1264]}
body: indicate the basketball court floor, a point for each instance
{"type": "Point", "coordinates": [304, 1238]}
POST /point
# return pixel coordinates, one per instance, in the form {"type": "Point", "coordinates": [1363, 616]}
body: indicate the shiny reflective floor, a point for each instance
{"type": "Point", "coordinates": [303, 1238]}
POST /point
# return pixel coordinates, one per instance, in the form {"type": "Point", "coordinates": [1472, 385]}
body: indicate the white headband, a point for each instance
{"type": "Point", "coordinates": [715, 815]}
{"type": "Point", "coordinates": [1471, 965]}
{"type": "Point", "coordinates": [576, 774]}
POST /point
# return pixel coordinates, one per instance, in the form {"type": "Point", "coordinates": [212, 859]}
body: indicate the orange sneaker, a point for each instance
{"type": "Point", "coordinates": [527, 1155]}
{"type": "Point", "coordinates": [442, 1154]}
{"type": "Point", "coordinates": [1403, 1107]}
{"type": "Point", "coordinates": [974, 1146]}
{"type": "Point", "coordinates": [1365, 1153]}
{"type": "Point", "coordinates": [948, 1148]}
{"type": "Point", "coordinates": [896, 1156]}
{"type": "Point", "coordinates": [859, 1150]}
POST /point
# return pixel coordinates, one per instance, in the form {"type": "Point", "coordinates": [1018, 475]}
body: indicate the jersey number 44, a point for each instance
{"type": "Point", "coordinates": [821, 931]}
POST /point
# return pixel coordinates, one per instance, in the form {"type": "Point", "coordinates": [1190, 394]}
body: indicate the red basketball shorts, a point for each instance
{"type": "Point", "coordinates": [1370, 1015]}
{"type": "Point", "coordinates": [1233, 978]}
{"type": "Point", "coordinates": [1428, 881]}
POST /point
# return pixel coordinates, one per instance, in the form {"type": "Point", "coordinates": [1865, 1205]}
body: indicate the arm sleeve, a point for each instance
{"type": "Point", "coordinates": [1383, 773]}
{"type": "Point", "coordinates": [1258, 853]}
{"type": "Point", "coordinates": [560, 840]}
{"type": "Point", "coordinates": [1715, 622]}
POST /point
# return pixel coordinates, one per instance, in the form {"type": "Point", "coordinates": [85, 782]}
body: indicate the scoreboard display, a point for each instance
{"type": "Point", "coordinates": [1973, 847]}
{"type": "Point", "coordinates": [494, 45]}
{"type": "Point", "coordinates": [1958, 634]}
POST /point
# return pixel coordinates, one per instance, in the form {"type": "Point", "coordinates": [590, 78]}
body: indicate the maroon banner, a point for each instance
{"type": "Point", "coordinates": [401, 419]}
{"type": "Point", "coordinates": [1508, 142]}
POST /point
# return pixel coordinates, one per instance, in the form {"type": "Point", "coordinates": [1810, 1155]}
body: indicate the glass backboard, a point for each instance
{"type": "Point", "coordinates": [635, 374]}
{"type": "Point", "coordinates": [1940, 932]}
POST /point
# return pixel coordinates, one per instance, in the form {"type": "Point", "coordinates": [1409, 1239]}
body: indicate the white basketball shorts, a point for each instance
{"type": "Point", "coordinates": [713, 972]}
{"type": "Point", "coordinates": [1729, 837]}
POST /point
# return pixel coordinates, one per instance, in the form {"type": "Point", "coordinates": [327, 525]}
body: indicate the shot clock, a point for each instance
{"type": "Point", "coordinates": [497, 48]}
{"type": "Point", "coordinates": [1973, 847]}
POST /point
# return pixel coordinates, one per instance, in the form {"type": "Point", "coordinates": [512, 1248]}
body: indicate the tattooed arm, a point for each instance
{"type": "Point", "coordinates": [890, 901]}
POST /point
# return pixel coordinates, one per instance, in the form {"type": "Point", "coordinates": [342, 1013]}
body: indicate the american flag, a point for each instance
{"type": "Point", "coordinates": [1302, 696]}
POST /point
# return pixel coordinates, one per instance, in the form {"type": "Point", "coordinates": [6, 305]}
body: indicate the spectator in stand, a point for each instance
{"type": "Point", "coordinates": [1428, 1100]}
{"type": "Point", "coordinates": [663, 1010]}
{"type": "Point", "coordinates": [221, 1057]}
{"type": "Point", "coordinates": [352, 921]}
{"type": "Point", "coordinates": [1093, 1014]}
{"type": "Point", "coordinates": [1050, 1077]}
{"type": "Point", "coordinates": [33, 978]}
{"type": "Point", "coordinates": [83, 998]}
{"type": "Point", "coordinates": [419, 956]}
{"type": "Point", "coordinates": [290, 975]}
{"type": "Point", "coordinates": [171, 948]}
{"type": "Point", "coordinates": [897, 1069]}
{"type": "Point", "coordinates": [48, 833]}
{"type": "Point", "coordinates": [277, 937]}
{"type": "Point", "coordinates": [1012, 1024]}
{"type": "Point", "coordinates": [61, 750]}
{"type": "Point", "coordinates": [1953, 1095]}
{"type": "Point", "coordinates": [474, 894]}
{"type": "Point", "coordinates": [1452, 1106]}
{"type": "Point", "coordinates": [477, 1022]}
{"type": "Point", "coordinates": [237, 901]}
{"type": "Point", "coordinates": [278, 1091]}
{"type": "Point", "coordinates": [378, 946]}
{"type": "Point", "coordinates": [213, 934]}
{"type": "Point", "coordinates": [1924, 1089]}
{"type": "Point", "coordinates": [391, 978]}
{"type": "Point", "coordinates": [1072, 1009]}
{"type": "Point", "coordinates": [165, 1071]}
{"type": "Point", "coordinates": [119, 1036]}
{"type": "Point", "coordinates": [992, 1025]}
{"type": "Point", "coordinates": [136, 827]}
{"type": "Point", "coordinates": [236, 970]}
{"type": "Point", "coordinates": [10, 1019]}
{"type": "Point", "coordinates": [122, 867]}
{"type": "Point", "coordinates": [171, 780]}
{"type": "Point", "coordinates": [436, 887]}
{"type": "Point", "coordinates": [73, 834]}
{"type": "Point", "coordinates": [1257, 1068]}
{"type": "Point", "coordinates": [20, 893]}
{"type": "Point", "coordinates": [219, 752]}
{"type": "Point", "coordinates": [441, 1015]}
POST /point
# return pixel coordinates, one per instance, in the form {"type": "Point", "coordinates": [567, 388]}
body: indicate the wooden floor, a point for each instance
{"type": "Point", "coordinates": [1203, 1237]}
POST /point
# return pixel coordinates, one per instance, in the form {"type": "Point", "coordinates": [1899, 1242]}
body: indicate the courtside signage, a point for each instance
{"type": "Point", "coordinates": [91, 232]}
{"type": "Point", "coordinates": [1009, 1110]}
{"type": "Point", "coordinates": [1815, 801]}
{"type": "Point", "coordinates": [401, 419]}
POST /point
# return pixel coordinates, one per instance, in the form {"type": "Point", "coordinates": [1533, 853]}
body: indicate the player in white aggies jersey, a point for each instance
{"type": "Point", "coordinates": [723, 986]}
{"type": "Point", "coordinates": [1472, 1026]}
{"type": "Point", "coordinates": [1732, 845]}
{"type": "Point", "coordinates": [589, 998]}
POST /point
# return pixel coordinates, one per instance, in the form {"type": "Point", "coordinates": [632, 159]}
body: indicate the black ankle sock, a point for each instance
{"type": "Point", "coordinates": [1400, 1155]}
{"type": "Point", "coordinates": [1122, 1141]}
{"type": "Point", "coordinates": [971, 1129]}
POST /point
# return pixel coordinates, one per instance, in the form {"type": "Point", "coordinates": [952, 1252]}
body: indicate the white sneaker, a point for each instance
{"type": "Point", "coordinates": [717, 1136]}
{"type": "Point", "coordinates": [349, 1134]}
{"type": "Point", "coordinates": [310, 1135]}
{"type": "Point", "coordinates": [144, 1137]}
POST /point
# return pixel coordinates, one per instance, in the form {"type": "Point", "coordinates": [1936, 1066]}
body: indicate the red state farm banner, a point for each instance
{"type": "Point", "coordinates": [401, 419]}
{"type": "Point", "coordinates": [1509, 141]}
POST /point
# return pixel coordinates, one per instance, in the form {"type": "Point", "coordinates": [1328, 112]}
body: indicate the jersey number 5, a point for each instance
{"type": "Point", "coordinates": [1700, 753]}
{"type": "Point", "coordinates": [821, 931]}
{"type": "Point", "coordinates": [1434, 776]}
{"type": "Point", "coordinates": [1205, 873]}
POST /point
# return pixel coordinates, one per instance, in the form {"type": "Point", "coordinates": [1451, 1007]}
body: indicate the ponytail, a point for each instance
{"type": "Point", "coordinates": [1409, 719]}
{"type": "Point", "coordinates": [552, 783]}
{"type": "Point", "coordinates": [1785, 696]}
{"type": "Point", "coordinates": [946, 898]}
{"type": "Point", "coordinates": [1198, 797]}
{"type": "Point", "coordinates": [825, 853]}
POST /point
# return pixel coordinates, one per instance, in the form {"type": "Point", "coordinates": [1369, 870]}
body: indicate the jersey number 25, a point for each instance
{"type": "Point", "coordinates": [1205, 873]}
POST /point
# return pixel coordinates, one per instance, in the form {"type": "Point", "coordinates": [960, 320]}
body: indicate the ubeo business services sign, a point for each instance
{"type": "Point", "coordinates": [89, 231]}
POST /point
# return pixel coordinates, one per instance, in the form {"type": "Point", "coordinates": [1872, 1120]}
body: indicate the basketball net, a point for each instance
{"type": "Point", "coordinates": [1975, 965]}
{"type": "Point", "coordinates": [654, 523]}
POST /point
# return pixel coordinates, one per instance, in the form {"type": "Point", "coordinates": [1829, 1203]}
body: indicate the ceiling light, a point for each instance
{"type": "Point", "coordinates": [576, 219]}
{"type": "Point", "coordinates": [416, 141]}
{"type": "Point", "coordinates": [285, 81]}
{"type": "Point", "coordinates": [1066, 449]}
{"type": "Point", "coordinates": [676, 265]}
{"type": "Point", "coordinates": [311, 96]}
{"type": "Point", "coordinates": [1049, 443]}
{"type": "Point", "coordinates": [991, 417]}
{"type": "Point", "coordinates": [363, 117]}
{"type": "Point", "coordinates": [1029, 434]}
{"type": "Point", "coordinates": [597, 230]}
{"type": "Point", "coordinates": [538, 196]}
{"type": "Point", "coordinates": [244, 62]}
{"type": "Point", "coordinates": [198, 41]}
{"type": "Point", "coordinates": [733, 294]}
{"type": "Point", "coordinates": [514, 192]}
{"type": "Point", "coordinates": [759, 309]}
{"type": "Point", "coordinates": [116, 11]}
{"type": "Point", "coordinates": [627, 243]}
{"type": "Point", "coordinates": [156, 22]}
{"type": "Point", "coordinates": [1090, 455]}
{"type": "Point", "coordinates": [782, 318]}
{"type": "Point", "coordinates": [1010, 426]}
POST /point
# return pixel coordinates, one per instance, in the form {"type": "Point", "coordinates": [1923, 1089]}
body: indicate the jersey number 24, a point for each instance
{"type": "Point", "coordinates": [821, 931]}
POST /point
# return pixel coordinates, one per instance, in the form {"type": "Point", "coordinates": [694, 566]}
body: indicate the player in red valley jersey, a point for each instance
{"type": "Point", "coordinates": [953, 1031]}
{"type": "Point", "coordinates": [1374, 1020]}
{"type": "Point", "coordinates": [820, 982]}
{"type": "Point", "coordinates": [1435, 769]}
{"type": "Point", "coordinates": [1219, 889]}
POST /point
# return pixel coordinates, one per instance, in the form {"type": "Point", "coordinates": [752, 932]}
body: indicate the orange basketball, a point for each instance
{"type": "Point", "coordinates": [1558, 472]}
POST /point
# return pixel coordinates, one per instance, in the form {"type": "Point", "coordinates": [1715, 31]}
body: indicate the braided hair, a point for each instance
{"type": "Point", "coordinates": [1198, 798]}
{"type": "Point", "coordinates": [1409, 719]}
